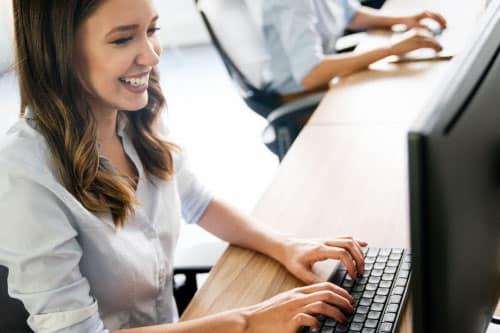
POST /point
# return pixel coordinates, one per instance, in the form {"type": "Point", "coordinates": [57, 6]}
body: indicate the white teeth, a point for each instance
{"type": "Point", "coordinates": [136, 82]}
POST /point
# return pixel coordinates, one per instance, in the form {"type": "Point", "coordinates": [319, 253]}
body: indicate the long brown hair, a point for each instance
{"type": "Point", "coordinates": [45, 31]}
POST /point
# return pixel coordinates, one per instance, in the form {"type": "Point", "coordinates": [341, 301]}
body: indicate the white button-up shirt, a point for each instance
{"type": "Point", "coordinates": [71, 268]}
{"type": "Point", "coordinates": [299, 33]}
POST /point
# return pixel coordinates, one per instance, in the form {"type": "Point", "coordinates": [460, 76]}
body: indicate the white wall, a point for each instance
{"type": "Point", "coordinates": [180, 24]}
{"type": "Point", "coordinates": [6, 35]}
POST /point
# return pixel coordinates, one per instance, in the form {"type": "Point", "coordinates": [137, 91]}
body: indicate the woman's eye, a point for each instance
{"type": "Point", "coordinates": [153, 30]}
{"type": "Point", "coordinates": [122, 41]}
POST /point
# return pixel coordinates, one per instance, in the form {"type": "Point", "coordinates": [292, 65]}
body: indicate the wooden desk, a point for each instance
{"type": "Point", "coordinates": [345, 174]}
{"type": "Point", "coordinates": [353, 197]}
{"type": "Point", "coordinates": [396, 93]}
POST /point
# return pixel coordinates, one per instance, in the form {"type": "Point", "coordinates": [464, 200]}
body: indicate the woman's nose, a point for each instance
{"type": "Point", "coordinates": [150, 53]}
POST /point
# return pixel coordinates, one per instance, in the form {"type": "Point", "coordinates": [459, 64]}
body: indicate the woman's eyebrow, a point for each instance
{"type": "Point", "coordinates": [128, 27]}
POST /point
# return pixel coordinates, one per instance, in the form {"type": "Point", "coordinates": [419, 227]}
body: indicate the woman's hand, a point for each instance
{"type": "Point", "coordinates": [289, 311]}
{"type": "Point", "coordinates": [413, 40]}
{"type": "Point", "coordinates": [415, 21]}
{"type": "Point", "coordinates": [300, 255]}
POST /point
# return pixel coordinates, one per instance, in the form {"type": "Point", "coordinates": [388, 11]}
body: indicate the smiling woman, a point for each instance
{"type": "Point", "coordinates": [92, 194]}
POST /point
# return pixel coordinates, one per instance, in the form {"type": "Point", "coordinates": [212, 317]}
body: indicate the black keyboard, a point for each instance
{"type": "Point", "coordinates": [379, 293]}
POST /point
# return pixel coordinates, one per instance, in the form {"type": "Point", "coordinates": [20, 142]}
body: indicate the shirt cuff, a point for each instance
{"type": "Point", "coordinates": [58, 321]}
{"type": "Point", "coordinates": [351, 7]}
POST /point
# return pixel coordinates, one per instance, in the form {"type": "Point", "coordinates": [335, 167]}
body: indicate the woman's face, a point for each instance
{"type": "Point", "coordinates": [116, 49]}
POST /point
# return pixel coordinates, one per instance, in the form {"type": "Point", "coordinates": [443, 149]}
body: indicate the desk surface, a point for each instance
{"type": "Point", "coordinates": [345, 174]}
{"type": "Point", "coordinates": [396, 93]}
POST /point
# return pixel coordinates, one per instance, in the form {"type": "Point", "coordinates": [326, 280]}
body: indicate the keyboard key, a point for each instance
{"type": "Point", "coordinates": [383, 291]}
{"type": "Point", "coordinates": [380, 299]}
{"type": "Point", "coordinates": [382, 259]}
{"type": "Point", "coordinates": [367, 272]}
{"type": "Point", "coordinates": [356, 327]}
{"type": "Point", "coordinates": [377, 307]}
{"type": "Point", "coordinates": [398, 291]}
{"type": "Point", "coordinates": [371, 286]}
{"type": "Point", "coordinates": [389, 317]}
{"type": "Point", "coordinates": [370, 260]}
{"type": "Point", "coordinates": [379, 265]}
{"type": "Point", "coordinates": [368, 330]}
{"type": "Point", "coordinates": [374, 279]}
{"type": "Point", "coordinates": [390, 270]}
{"type": "Point", "coordinates": [395, 256]}
{"type": "Point", "coordinates": [399, 251]}
{"type": "Point", "coordinates": [393, 263]}
{"type": "Point", "coordinates": [385, 252]}
{"type": "Point", "coordinates": [365, 301]}
{"type": "Point", "coordinates": [377, 272]}
{"type": "Point", "coordinates": [395, 299]}
{"type": "Point", "coordinates": [374, 315]}
{"type": "Point", "coordinates": [401, 282]}
{"type": "Point", "coordinates": [388, 277]}
{"type": "Point", "coordinates": [406, 266]}
{"type": "Point", "coordinates": [363, 309]}
{"type": "Point", "coordinates": [385, 284]}
{"type": "Point", "coordinates": [393, 308]}
{"type": "Point", "coordinates": [404, 274]}
{"type": "Point", "coordinates": [358, 288]}
{"type": "Point", "coordinates": [372, 252]}
{"type": "Point", "coordinates": [356, 295]}
{"type": "Point", "coordinates": [347, 284]}
{"type": "Point", "coordinates": [369, 293]}
{"type": "Point", "coordinates": [371, 323]}
{"type": "Point", "coordinates": [368, 267]}
{"type": "Point", "coordinates": [386, 327]}
{"type": "Point", "coordinates": [327, 329]}
{"type": "Point", "coordinates": [341, 328]}
{"type": "Point", "coordinates": [359, 318]}
{"type": "Point", "coordinates": [362, 280]}
{"type": "Point", "coordinates": [407, 259]}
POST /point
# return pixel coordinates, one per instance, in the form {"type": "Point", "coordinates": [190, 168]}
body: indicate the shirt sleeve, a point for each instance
{"type": "Point", "coordinates": [295, 23]}
{"type": "Point", "coordinates": [195, 198]}
{"type": "Point", "coordinates": [350, 9]}
{"type": "Point", "coordinates": [38, 246]}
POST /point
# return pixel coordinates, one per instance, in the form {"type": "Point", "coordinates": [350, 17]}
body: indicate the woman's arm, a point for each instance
{"type": "Point", "coordinates": [238, 229]}
{"type": "Point", "coordinates": [230, 321]}
{"type": "Point", "coordinates": [297, 255]}
{"type": "Point", "coordinates": [369, 18]}
{"type": "Point", "coordinates": [286, 312]}
{"type": "Point", "coordinates": [348, 63]}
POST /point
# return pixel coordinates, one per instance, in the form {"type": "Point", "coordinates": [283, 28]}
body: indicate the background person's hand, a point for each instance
{"type": "Point", "coordinates": [300, 256]}
{"type": "Point", "coordinates": [415, 21]}
{"type": "Point", "coordinates": [413, 40]}
{"type": "Point", "coordinates": [289, 311]}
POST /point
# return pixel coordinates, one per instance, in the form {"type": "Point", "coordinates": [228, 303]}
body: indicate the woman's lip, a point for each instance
{"type": "Point", "coordinates": [135, 75]}
{"type": "Point", "coordinates": [135, 89]}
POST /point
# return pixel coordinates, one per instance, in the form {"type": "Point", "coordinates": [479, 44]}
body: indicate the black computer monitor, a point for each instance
{"type": "Point", "coordinates": [454, 169]}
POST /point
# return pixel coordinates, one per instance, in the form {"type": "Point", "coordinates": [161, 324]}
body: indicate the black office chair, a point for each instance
{"type": "Point", "coordinates": [235, 34]}
{"type": "Point", "coordinates": [13, 315]}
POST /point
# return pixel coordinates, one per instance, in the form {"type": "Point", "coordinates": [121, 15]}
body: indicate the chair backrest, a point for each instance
{"type": "Point", "coordinates": [238, 39]}
{"type": "Point", "coordinates": [13, 315]}
{"type": "Point", "coordinates": [234, 25]}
